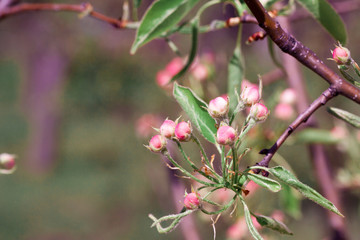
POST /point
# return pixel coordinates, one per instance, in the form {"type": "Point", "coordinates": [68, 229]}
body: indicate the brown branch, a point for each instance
{"type": "Point", "coordinates": [80, 8]}
{"type": "Point", "coordinates": [288, 44]}
{"type": "Point", "coordinates": [322, 169]}
{"type": "Point", "coordinates": [302, 118]}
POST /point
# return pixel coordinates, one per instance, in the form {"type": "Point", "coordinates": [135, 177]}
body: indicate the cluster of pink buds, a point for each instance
{"type": "Point", "coordinates": [169, 129]}
{"type": "Point", "coordinates": [341, 55]}
{"type": "Point", "coordinates": [284, 110]}
{"type": "Point", "coordinates": [7, 161]}
{"type": "Point", "coordinates": [163, 77]}
{"type": "Point", "coordinates": [192, 200]}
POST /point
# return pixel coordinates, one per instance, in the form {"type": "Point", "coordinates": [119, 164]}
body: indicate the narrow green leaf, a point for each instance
{"type": "Point", "coordinates": [314, 135]}
{"type": "Point", "coordinates": [273, 224]}
{"type": "Point", "coordinates": [194, 43]}
{"type": "Point", "coordinates": [249, 222]}
{"type": "Point", "coordinates": [235, 75]}
{"type": "Point", "coordinates": [161, 16]}
{"type": "Point", "coordinates": [348, 117]}
{"type": "Point", "coordinates": [195, 108]}
{"type": "Point", "coordinates": [265, 182]}
{"type": "Point", "coordinates": [290, 201]}
{"type": "Point", "coordinates": [308, 192]}
{"type": "Point", "coordinates": [323, 12]}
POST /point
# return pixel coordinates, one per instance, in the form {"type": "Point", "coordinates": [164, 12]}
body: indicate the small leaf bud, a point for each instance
{"type": "Point", "coordinates": [218, 107]}
{"type": "Point", "coordinates": [225, 135]}
{"type": "Point", "coordinates": [167, 129]}
{"type": "Point", "coordinates": [157, 143]}
{"type": "Point", "coordinates": [183, 131]}
{"type": "Point", "coordinates": [192, 200]}
{"type": "Point", "coordinates": [259, 112]}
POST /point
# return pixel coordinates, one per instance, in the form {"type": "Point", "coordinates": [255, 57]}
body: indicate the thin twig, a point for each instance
{"type": "Point", "coordinates": [320, 101]}
{"type": "Point", "coordinates": [80, 8]}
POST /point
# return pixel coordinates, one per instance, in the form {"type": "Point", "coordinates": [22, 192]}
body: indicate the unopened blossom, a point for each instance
{"type": "Point", "coordinates": [341, 55]}
{"type": "Point", "coordinates": [200, 72]}
{"type": "Point", "coordinates": [7, 161]}
{"type": "Point", "coordinates": [157, 143]}
{"type": "Point", "coordinates": [183, 131]}
{"type": "Point", "coordinates": [174, 66]}
{"type": "Point", "coordinates": [250, 95]}
{"type": "Point", "coordinates": [225, 135]}
{"type": "Point", "coordinates": [259, 112]}
{"type": "Point", "coordinates": [284, 111]}
{"type": "Point", "coordinates": [163, 79]}
{"type": "Point", "coordinates": [218, 107]}
{"type": "Point", "coordinates": [288, 96]}
{"type": "Point", "coordinates": [167, 128]}
{"type": "Point", "coordinates": [192, 200]}
{"type": "Point", "coordinates": [247, 84]}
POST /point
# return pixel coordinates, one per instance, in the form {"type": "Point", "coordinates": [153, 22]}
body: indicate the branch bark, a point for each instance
{"type": "Point", "coordinates": [80, 8]}
{"type": "Point", "coordinates": [288, 44]}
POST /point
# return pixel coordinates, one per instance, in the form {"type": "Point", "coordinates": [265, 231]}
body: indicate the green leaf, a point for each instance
{"type": "Point", "coordinates": [265, 182]}
{"type": "Point", "coordinates": [290, 201]}
{"type": "Point", "coordinates": [348, 117]}
{"type": "Point", "coordinates": [323, 12]}
{"type": "Point", "coordinates": [273, 224]}
{"type": "Point", "coordinates": [137, 3]}
{"type": "Point", "coordinates": [195, 108]}
{"type": "Point", "coordinates": [235, 75]}
{"type": "Point", "coordinates": [250, 223]}
{"type": "Point", "coordinates": [194, 28]}
{"type": "Point", "coordinates": [313, 135]}
{"type": "Point", "coordinates": [161, 16]}
{"type": "Point", "coordinates": [289, 179]}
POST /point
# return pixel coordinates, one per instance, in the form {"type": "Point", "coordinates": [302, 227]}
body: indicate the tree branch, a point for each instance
{"type": "Point", "coordinates": [80, 8]}
{"type": "Point", "coordinates": [303, 117]}
{"type": "Point", "coordinates": [288, 44]}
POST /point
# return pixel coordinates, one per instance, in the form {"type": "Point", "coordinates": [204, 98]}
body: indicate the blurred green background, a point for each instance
{"type": "Point", "coordinates": [70, 97]}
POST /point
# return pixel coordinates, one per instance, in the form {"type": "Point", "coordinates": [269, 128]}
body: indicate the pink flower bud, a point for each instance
{"type": "Point", "coordinates": [183, 131]}
{"type": "Point", "coordinates": [218, 107]}
{"type": "Point", "coordinates": [259, 112]}
{"type": "Point", "coordinates": [246, 84]}
{"type": "Point", "coordinates": [226, 135]}
{"type": "Point", "coordinates": [157, 143]}
{"type": "Point", "coordinates": [174, 66]}
{"type": "Point", "coordinates": [192, 200]}
{"type": "Point", "coordinates": [341, 55]}
{"type": "Point", "coordinates": [143, 126]}
{"type": "Point", "coordinates": [250, 95]}
{"type": "Point", "coordinates": [339, 132]}
{"type": "Point", "coordinates": [288, 96]}
{"type": "Point", "coordinates": [200, 72]}
{"type": "Point", "coordinates": [167, 129]}
{"type": "Point", "coordinates": [163, 79]}
{"type": "Point", "coordinates": [284, 111]}
{"type": "Point", "coordinates": [7, 161]}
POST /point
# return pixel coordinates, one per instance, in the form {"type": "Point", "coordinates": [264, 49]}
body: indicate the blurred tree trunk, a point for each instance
{"type": "Point", "coordinates": [46, 66]}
